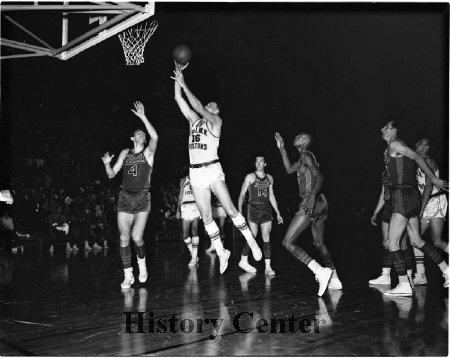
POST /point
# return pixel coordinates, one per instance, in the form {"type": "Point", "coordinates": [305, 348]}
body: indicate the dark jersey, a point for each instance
{"type": "Point", "coordinates": [258, 191]}
{"type": "Point", "coordinates": [136, 172]}
{"type": "Point", "coordinates": [305, 178]}
{"type": "Point", "coordinates": [401, 170]}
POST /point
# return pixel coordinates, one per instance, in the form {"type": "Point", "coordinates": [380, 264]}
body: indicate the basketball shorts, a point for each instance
{"type": "Point", "coordinates": [190, 212]}
{"type": "Point", "coordinates": [320, 210]}
{"type": "Point", "coordinates": [405, 201]}
{"type": "Point", "coordinates": [203, 177]}
{"type": "Point", "coordinates": [131, 202]}
{"type": "Point", "coordinates": [436, 207]}
{"type": "Point", "coordinates": [259, 213]}
{"type": "Point", "coordinates": [218, 212]}
{"type": "Point", "coordinates": [387, 211]}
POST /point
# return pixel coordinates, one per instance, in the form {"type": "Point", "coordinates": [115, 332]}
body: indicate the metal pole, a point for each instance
{"type": "Point", "coordinates": [65, 26]}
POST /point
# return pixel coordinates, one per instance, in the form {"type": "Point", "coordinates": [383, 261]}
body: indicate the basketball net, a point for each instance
{"type": "Point", "coordinates": [134, 41]}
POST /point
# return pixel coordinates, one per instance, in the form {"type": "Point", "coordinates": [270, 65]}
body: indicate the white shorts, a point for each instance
{"type": "Point", "coordinates": [190, 212]}
{"type": "Point", "coordinates": [436, 207]}
{"type": "Point", "coordinates": [218, 211]}
{"type": "Point", "coordinates": [203, 177]}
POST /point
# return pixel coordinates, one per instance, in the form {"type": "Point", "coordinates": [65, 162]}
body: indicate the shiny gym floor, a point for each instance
{"type": "Point", "coordinates": [72, 305]}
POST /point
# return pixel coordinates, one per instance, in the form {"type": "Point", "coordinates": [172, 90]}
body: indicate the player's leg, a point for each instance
{"type": "Point", "coordinates": [419, 277]}
{"type": "Point", "coordinates": [243, 263]}
{"type": "Point", "coordinates": [185, 224]}
{"type": "Point", "coordinates": [385, 277]}
{"type": "Point", "coordinates": [124, 223]}
{"type": "Point", "coordinates": [408, 255]}
{"type": "Point", "coordinates": [220, 189]}
{"type": "Point", "coordinates": [436, 229]}
{"type": "Point", "coordinates": [318, 233]}
{"type": "Point", "coordinates": [137, 235]}
{"type": "Point", "coordinates": [298, 224]}
{"type": "Point", "coordinates": [397, 225]}
{"type": "Point", "coordinates": [195, 242]}
{"type": "Point", "coordinates": [428, 249]}
{"type": "Point", "coordinates": [266, 229]}
{"type": "Point", "coordinates": [203, 200]}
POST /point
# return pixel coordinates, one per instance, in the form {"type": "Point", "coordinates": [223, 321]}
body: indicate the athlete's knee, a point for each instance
{"type": "Point", "coordinates": [124, 239]}
{"type": "Point", "coordinates": [137, 238]}
{"type": "Point", "coordinates": [287, 243]}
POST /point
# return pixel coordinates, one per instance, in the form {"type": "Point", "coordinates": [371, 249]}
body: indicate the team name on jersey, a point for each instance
{"type": "Point", "coordinates": [130, 159]}
{"type": "Point", "coordinates": [196, 137]}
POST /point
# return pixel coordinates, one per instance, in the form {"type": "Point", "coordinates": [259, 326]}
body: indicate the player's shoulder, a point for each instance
{"type": "Point", "coordinates": [270, 177]}
{"type": "Point", "coordinates": [250, 177]}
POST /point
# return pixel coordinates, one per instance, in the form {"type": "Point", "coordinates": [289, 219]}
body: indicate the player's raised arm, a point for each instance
{"type": "Point", "coordinates": [400, 147]}
{"type": "Point", "coordinates": [290, 168]}
{"type": "Point", "coordinates": [112, 171]}
{"type": "Point", "coordinates": [190, 115]}
{"type": "Point", "coordinates": [139, 110]}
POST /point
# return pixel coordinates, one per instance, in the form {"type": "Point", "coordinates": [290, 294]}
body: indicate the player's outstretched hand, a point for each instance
{"type": "Point", "coordinates": [179, 66]}
{"type": "Point", "coordinates": [139, 109]}
{"type": "Point", "coordinates": [178, 76]}
{"type": "Point", "coordinates": [441, 184]}
{"type": "Point", "coordinates": [280, 141]}
{"type": "Point", "coordinates": [107, 158]}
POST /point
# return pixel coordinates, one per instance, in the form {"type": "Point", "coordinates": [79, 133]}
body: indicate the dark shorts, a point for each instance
{"type": "Point", "coordinates": [387, 211]}
{"type": "Point", "coordinates": [320, 211]}
{"type": "Point", "coordinates": [133, 202]}
{"type": "Point", "coordinates": [259, 213]}
{"type": "Point", "coordinates": [405, 201]}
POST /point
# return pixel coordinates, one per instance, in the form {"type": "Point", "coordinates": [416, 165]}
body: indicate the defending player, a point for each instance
{"type": "Point", "coordinates": [134, 199]}
{"type": "Point", "coordinates": [259, 210]}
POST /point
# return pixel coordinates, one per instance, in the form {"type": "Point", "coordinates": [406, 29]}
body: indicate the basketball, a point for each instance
{"type": "Point", "coordinates": [182, 54]}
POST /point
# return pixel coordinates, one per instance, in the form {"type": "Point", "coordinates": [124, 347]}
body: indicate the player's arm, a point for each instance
{"type": "Point", "coordinates": [428, 186]}
{"type": "Point", "coordinates": [248, 179]}
{"type": "Point", "coordinates": [190, 115]}
{"type": "Point", "coordinates": [112, 171]}
{"type": "Point", "coordinates": [150, 150]}
{"type": "Point", "coordinates": [402, 148]}
{"type": "Point", "coordinates": [273, 200]}
{"type": "Point", "coordinates": [290, 168]}
{"type": "Point", "coordinates": [380, 204]}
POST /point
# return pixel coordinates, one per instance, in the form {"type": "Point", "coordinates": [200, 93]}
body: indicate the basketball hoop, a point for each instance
{"type": "Point", "coordinates": [134, 41]}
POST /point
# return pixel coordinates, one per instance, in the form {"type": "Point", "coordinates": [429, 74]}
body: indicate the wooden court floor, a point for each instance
{"type": "Point", "coordinates": [72, 305]}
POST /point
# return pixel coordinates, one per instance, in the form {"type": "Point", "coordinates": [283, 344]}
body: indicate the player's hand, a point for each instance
{"type": "Point", "coordinates": [373, 220]}
{"type": "Point", "coordinates": [279, 219]}
{"type": "Point", "coordinates": [280, 141]}
{"type": "Point", "coordinates": [441, 184]}
{"type": "Point", "coordinates": [5, 195]}
{"type": "Point", "coordinates": [178, 76]}
{"type": "Point", "coordinates": [107, 158]}
{"type": "Point", "coordinates": [139, 109]}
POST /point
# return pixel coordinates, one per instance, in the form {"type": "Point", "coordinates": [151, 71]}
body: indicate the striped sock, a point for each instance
{"type": "Point", "coordinates": [267, 249]}
{"type": "Point", "coordinates": [125, 254]}
{"type": "Point", "coordinates": [195, 241]}
{"type": "Point", "coordinates": [431, 252]}
{"type": "Point", "coordinates": [420, 267]}
{"type": "Point", "coordinates": [214, 234]}
{"type": "Point", "coordinates": [245, 249]}
{"type": "Point", "coordinates": [140, 250]}
{"type": "Point", "coordinates": [241, 224]}
{"type": "Point", "coordinates": [387, 259]}
{"type": "Point", "coordinates": [399, 262]}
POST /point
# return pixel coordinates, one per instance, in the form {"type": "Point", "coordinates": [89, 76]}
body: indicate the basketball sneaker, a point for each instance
{"type": "Point", "coordinates": [256, 251]}
{"type": "Point", "coordinates": [223, 258]}
{"type": "Point", "coordinates": [269, 271]}
{"type": "Point", "coordinates": [383, 279]}
{"type": "Point", "coordinates": [75, 248]}
{"type": "Point", "coordinates": [445, 275]}
{"type": "Point", "coordinates": [323, 276]}
{"type": "Point", "coordinates": [128, 279]}
{"type": "Point", "coordinates": [193, 262]}
{"type": "Point", "coordinates": [243, 264]}
{"type": "Point", "coordinates": [96, 247]}
{"type": "Point", "coordinates": [143, 274]}
{"type": "Point", "coordinates": [402, 289]}
{"type": "Point", "coordinates": [420, 279]}
{"type": "Point", "coordinates": [335, 283]}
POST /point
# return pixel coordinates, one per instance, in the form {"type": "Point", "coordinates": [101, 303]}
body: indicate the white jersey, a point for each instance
{"type": "Point", "coordinates": [188, 195]}
{"type": "Point", "coordinates": [420, 176]}
{"type": "Point", "coordinates": [202, 143]}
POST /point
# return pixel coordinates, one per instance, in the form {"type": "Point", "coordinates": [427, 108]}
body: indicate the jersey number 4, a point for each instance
{"type": "Point", "coordinates": [133, 170]}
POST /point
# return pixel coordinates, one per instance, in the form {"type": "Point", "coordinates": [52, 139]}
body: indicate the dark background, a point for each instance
{"type": "Point", "coordinates": [340, 71]}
